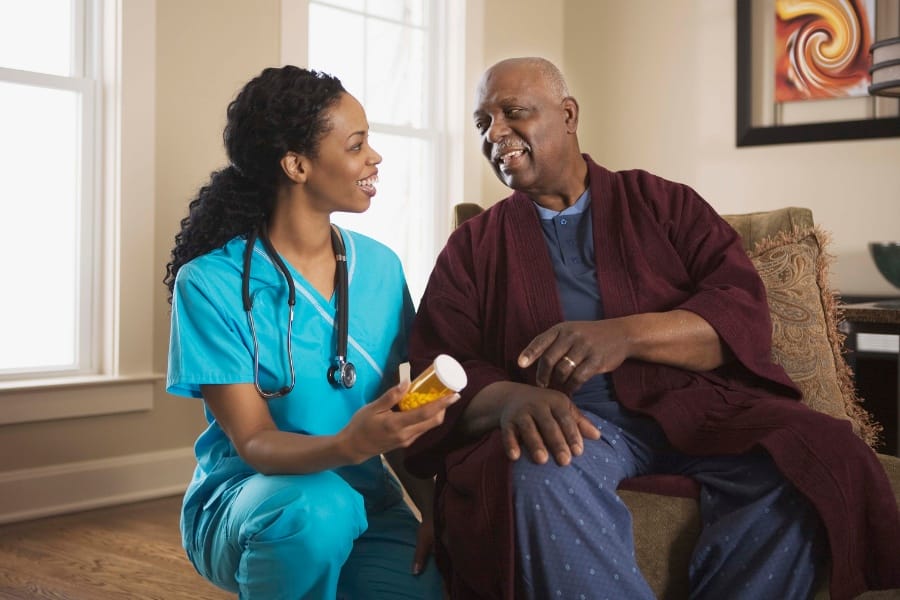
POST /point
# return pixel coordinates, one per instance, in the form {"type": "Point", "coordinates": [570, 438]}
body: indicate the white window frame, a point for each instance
{"type": "Point", "coordinates": [120, 268]}
{"type": "Point", "coordinates": [448, 53]}
{"type": "Point", "coordinates": [85, 82]}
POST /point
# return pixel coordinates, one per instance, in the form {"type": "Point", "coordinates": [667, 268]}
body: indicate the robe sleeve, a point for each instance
{"type": "Point", "coordinates": [728, 292]}
{"type": "Point", "coordinates": [449, 321]}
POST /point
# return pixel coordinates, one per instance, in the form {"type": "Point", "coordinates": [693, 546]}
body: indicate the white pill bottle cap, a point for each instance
{"type": "Point", "coordinates": [450, 372]}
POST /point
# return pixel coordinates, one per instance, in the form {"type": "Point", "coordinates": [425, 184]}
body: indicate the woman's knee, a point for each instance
{"type": "Point", "coordinates": [319, 512]}
{"type": "Point", "coordinates": [285, 536]}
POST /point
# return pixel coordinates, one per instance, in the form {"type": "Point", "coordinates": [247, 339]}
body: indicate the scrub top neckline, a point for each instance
{"type": "Point", "coordinates": [300, 280]}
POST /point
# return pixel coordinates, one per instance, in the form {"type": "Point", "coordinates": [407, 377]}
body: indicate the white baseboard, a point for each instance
{"type": "Point", "coordinates": [31, 493]}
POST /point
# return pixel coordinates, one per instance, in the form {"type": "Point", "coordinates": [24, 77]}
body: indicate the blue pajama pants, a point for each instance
{"type": "Point", "coordinates": [760, 537]}
{"type": "Point", "coordinates": [309, 536]}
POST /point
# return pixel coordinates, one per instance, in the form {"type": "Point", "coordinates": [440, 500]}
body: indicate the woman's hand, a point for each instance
{"type": "Point", "coordinates": [376, 428]}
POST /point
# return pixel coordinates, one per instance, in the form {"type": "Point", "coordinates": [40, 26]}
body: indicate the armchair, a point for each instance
{"type": "Point", "coordinates": [788, 251]}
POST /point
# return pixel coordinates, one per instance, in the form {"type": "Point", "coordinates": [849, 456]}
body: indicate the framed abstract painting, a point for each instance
{"type": "Point", "coordinates": [803, 71]}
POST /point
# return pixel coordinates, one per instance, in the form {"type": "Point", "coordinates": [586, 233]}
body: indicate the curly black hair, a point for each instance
{"type": "Point", "coordinates": [281, 110]}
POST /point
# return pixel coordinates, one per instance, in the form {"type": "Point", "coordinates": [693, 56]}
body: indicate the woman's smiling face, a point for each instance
{"type": "Point", "coordinates": [344, 172]}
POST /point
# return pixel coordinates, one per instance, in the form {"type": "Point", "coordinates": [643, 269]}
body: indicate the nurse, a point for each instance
{"type": "Point", "coordinates": [290, 498]}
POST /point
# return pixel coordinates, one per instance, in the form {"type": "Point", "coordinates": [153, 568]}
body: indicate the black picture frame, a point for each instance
{"type": "Point", "coordinates": [749, 134]}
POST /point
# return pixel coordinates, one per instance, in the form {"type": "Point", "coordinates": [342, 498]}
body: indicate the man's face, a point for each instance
{"type": "Point", "coordinates": [523, 127]}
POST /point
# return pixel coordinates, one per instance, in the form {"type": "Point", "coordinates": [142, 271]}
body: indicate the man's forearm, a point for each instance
{"type": "Point", "coordinates": [678, 338]}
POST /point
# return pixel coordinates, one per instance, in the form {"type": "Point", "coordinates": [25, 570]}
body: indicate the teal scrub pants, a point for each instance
{"type": "Point", "coordinates": [308, 536]}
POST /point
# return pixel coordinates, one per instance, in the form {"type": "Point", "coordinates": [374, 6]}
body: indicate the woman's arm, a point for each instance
{"type": "Point", "coordinates": [374, 429]}
{"type": "Point", "coordinates": [245, 418]}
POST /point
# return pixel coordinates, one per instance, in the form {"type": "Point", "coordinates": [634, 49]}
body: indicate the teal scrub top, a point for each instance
{"type": "Point", "coordinates": [211, 343]}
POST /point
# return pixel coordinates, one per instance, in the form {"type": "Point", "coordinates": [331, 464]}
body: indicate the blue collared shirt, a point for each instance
{"type": "Point", "coordinates": [570, 242]}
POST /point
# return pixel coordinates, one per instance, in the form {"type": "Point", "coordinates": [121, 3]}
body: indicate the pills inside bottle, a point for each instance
{"type": "Point", "coordinates": [444, 376]}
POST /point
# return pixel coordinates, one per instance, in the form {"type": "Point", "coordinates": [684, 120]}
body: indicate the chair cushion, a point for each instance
{"type": "Point", "coordinates": [755, 227]}
{"type": "Point", "coordinates": [665, 531]}
{"type": "Point", "coordinates": [806, 341]}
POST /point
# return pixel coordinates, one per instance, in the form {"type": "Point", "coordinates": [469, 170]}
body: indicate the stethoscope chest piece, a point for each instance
{"type": "Point", "coordinates": [343, 374]}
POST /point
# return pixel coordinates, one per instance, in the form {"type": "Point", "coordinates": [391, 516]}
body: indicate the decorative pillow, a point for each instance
{"type": "Point", "coordinates": [806, 341]}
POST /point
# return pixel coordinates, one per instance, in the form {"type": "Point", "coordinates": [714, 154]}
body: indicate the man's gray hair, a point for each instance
{"type": "Point", "coordinates": [549, 72]}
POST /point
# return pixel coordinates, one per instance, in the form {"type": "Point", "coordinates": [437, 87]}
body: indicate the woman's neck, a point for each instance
{"type": "Point", "coordinates": [303, 239]}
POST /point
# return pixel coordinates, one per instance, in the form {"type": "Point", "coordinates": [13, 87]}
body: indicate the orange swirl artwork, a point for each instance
{"type": "Point", "coordinates": [822, 48]}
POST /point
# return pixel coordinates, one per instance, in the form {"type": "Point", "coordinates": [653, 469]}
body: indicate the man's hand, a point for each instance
{"type": "Point", "coordinates": [570, 353]}
{"type": "Point", "coordinates": [545, 422]}
{"type": "Point", "coordinates": [424, 545]}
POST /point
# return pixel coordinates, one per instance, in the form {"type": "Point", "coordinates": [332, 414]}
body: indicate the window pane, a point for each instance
{"type": "Point", "coordinates": [405, 11]}
{"type": "Point", "coordinates": [396, 83]}
{"type": "Point", "coordinates": [36, 35]}
{"type": "Point", "coordinates": [336, 46]}
{"type": "Point", "coordinates": [401, 210]}
{"type": "Point", "coordinates": [40, 158]}
{"type": "Point", "coordinates": [351, 4]}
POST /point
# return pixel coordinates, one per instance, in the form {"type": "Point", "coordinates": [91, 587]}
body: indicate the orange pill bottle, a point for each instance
{"type": "Point", "coordinates": [443, 376]}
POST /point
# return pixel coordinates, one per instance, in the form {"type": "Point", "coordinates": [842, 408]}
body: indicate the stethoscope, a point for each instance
{"type": "Point", "coordinates": [341, 373]}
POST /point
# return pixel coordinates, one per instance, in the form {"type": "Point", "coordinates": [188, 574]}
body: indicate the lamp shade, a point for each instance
{"type": "Point", "coordinates": [885, 70]}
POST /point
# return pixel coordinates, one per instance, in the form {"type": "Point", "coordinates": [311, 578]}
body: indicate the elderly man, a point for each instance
{"type": "Point", "coordinates": [603, 320]}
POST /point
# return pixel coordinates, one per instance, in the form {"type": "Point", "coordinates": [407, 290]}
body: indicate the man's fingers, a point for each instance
{"type": "Point", "coordinates": [536, 348]}
{"type": "Point", "coordinates": [424, 546]}
{"type": "Point", "coordinates": [560, 363]}
{"type": "Point", "coordinates": [532, 440]}
{"type": "Point", "coordinates": [555, 439]}
{"type": "Point", "coordinates": [420, 558]}
{"type": "Point", "coordinates": [511, 443]}
{"type": "Point", "coordinates": [569, 426]}
{"type": "Point", "coordinates": [553, 361]}
{"type": "Point", "coordinates": [567, 369]}
{"type": "Point", "coordinates": [588, 429]}
{"type": "Point", "coordinates": [577, 377]}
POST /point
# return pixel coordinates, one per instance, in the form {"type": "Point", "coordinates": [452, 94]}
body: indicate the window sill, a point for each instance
{"type": "Point", "coordinates": [48, 399]}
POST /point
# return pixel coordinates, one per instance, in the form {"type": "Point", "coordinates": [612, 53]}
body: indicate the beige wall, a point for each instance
{"type": "Point", "coordinates": [510, 29]}
{"type": "Point", "coordinates": [656, 81]}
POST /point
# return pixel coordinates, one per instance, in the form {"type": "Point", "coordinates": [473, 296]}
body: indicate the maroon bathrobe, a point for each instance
{"type": "Point", "coordinates": [659, 247]}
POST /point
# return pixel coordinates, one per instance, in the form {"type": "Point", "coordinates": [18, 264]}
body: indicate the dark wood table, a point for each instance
{"type": "Point", "coordinates": [881, 317]}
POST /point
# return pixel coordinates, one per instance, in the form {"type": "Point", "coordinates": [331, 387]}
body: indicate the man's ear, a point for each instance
{"type": "Point", "coordinates": [295, 166]}
{"type": "Point", "coordinates": [570, 106]}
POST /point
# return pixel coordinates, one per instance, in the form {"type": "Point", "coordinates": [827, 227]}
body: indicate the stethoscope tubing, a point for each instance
{"type": "Point", "coordinates": [342, 373]}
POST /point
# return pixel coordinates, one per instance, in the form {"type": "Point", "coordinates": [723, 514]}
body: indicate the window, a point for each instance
{"type": "Point", "coordinates": [392, 55]}
{"type": "Point", "coordinates": [76, 198]}
{"type": "Point", "coordinates": [49, 94]}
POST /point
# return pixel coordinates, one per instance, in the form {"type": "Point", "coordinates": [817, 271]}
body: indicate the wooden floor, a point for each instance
{"type": "Point", "coordinates": [127, 552]}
